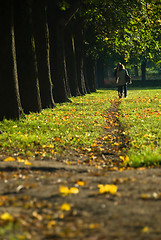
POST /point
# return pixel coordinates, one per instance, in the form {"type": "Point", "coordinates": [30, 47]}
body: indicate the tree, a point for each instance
{"type": "Point", "coordinates": [58, 18]}
{"type": "Point", "coordinates": [10, 104]}
{"type": "Point", "coordinates": [141, 36]}
{"type": "Point", "coordinates": [90, 73]}
{"type": "Point", "coordinates": [104, 26]}
{"type": "Point", "coordinates": [79, 56]}
{"type": "Point", "coordinates": [64, 47]}
{"type": "Point", "coordinates": [26, 57]}
{"type": "Point", "coordinates": [41, 36]}
{"type": "Point", "coordinates": [70, 56]}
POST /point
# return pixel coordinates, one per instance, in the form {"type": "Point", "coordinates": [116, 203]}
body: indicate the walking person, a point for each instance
{"type": "Point", "coordinates": [121, 75]}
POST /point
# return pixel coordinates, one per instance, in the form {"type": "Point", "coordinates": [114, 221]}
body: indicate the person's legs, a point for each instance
{"type": "Point", "coordinates": [120, 91]}
{"type": "Point", "coordinates": [125, 90]}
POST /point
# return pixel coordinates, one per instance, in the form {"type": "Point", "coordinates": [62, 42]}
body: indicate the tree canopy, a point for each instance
{"type": "Point", "coordinates": [130, 29]}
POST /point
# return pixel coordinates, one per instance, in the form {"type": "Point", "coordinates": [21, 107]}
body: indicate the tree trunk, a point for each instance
{"type": "Point", "coordinates": [26, 57]}
{"type": "Point", "coordinates": [57, 56]}
{"type": "Point", "coordinates": [41, 35]}
{"type": "Point", "coordinates": [143, 70]}
{"type": "Point", "coordinates": [91, 74]}
{"type": "Point", "coordinates": [136, 72]}
{"type": "Point", "coordinates": [100, 74]}
{"type": "Point", "coordinates": [10, 105]}
{"type": "Point", "coordinates": [79, 57]}
{"type": "Point", "coordinates": [86, 75]}
{"type": "Point", "coordinates": [71, 61]}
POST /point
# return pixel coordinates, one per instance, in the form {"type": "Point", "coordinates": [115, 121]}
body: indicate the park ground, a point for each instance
{"type": "Point", "coordinates": [81, 195]}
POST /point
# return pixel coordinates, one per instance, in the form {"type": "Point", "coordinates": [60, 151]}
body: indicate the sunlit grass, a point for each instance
{"type": "Point", "coordinates": [140, 115]}
{"type": "Point", "coordinates": [69, 125]}
{"type": "Point", "coordinates": [81, 122]}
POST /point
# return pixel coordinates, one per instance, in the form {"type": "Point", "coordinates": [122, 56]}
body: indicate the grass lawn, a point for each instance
{"type": "Point", "coordinates": [69, 125]}
{"type": "Point", "coordinates": [81, 122]}
{"type": "Point", "coordinates": [140, 115]}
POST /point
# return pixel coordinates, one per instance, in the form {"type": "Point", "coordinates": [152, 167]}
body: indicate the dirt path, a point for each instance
{"type": "Point", "coordinates": [36, 209]}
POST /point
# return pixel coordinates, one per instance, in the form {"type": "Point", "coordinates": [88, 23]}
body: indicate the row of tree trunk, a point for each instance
{"type": "Point", "coordinates": [42, 58]}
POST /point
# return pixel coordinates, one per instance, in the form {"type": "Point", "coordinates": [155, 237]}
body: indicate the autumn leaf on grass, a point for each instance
{"type": "Point", "coordinates": [116, 144]}
{"type": "Point", "coordinates": [25, 161]}
{"type": "Point", "coordinates": [65, 207]}
{"type": "Point", "coordinates": [64, 190]}
{"type": "Point", "coordinates": [9, 159]}
{"type": "Point", "coordinates": [6, 217]}
{"type": "Point", "coordinates": [112, 189]}
{"type": "Point", "coordinates": [125, 159]}
{"type": "Point", "coordinates": [107, 127]}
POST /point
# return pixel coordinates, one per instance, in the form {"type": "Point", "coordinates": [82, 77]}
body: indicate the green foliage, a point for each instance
{"type": "Point", "coordinates": [63, 5]}
{"type": "Point", "coordinates": [129, 28]}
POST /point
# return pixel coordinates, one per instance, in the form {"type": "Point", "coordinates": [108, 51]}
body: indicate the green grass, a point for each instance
{"type": "Point", "coordinates": [69, 125]}
{"type": "Point", "coordinates": [81, 122]}
{"type": "Point", "coordinates": [8, 231]}
{"type": "Point", "coordinates": [140, 115]}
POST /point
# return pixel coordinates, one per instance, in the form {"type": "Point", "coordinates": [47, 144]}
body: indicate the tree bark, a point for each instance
{"type": "Point", "coordinates": [26, 57]}
{"type": "Point", "coordinates": [41, 35]}
{"type": "Point", "coordinates": [100, 74]}
{"type": "Point", "coordinates": [57, 56]}
{"type": "Point", "coordinates": [136, 71]}
{"type": "Point", "coordinates": [143, 70]}
{"type": "Point", "coordinates": [10, 105]}
{"type": "Point", "coordinates": [91, 73]}
{"type": "Point", "coordinates": [79, 57]}
{"type": "Point", "coordinates": [71, 61]}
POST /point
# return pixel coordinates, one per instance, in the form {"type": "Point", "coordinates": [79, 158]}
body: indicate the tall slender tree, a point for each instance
{"type": "Point", "coordinates": [10, 104]}
{"type": "Point", "coordinates": [90, 73]}
{"type": "Point", "coordinates": [26, 57]}
{"type": "Point", "coordinates": [59, 16]}
{"type": "Point", "coordinates": [79, 41]}
{"type": "Point", "coordinates": [41, 36]}
{"type": "Point", "coordinates": [70, 55]}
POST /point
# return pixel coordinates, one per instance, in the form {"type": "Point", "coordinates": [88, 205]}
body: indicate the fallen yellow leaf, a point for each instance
{"type": "Point", "coordinates": [65, 207]}
{"type": "Point", "coordinates": [73, 190]}
{"type": "Point", "coordinates": [37, 216]}
{"type": "Point", "coordinates": [27, 163]}
{"type": "Point", "coordinates": [125, 159]}
{"type": "Point", "coordinates": [51, 224]}
{"type": "Point", "coordinates": [116, 143]}
{"type": "Point", "coordinates": [94, 225]}
{"type": "Point", "coordinates": [112, 189]}
{"type": "Point", "coordinates": [145, 229]}
{"type": "Point", "coordinates": [9, 159]}
{"type": "Point", "coordinates": [61, 216]}
{"type": "Point", "coordinates": [65, 190]}
{"type": "Point", "coordinates": [80, 183]}
{"type": "Point", "coordinates": [6, 217]}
